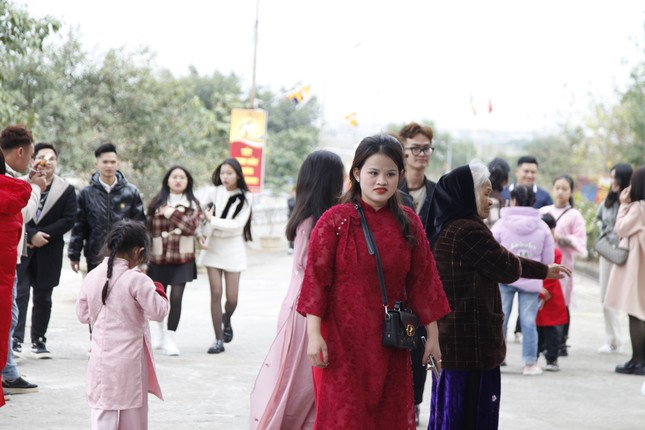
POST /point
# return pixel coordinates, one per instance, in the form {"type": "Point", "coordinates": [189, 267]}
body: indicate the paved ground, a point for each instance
{"type": "Point", "coordinates": [211, 391]}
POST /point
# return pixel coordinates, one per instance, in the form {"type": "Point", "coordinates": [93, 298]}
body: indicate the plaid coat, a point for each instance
{"type": "Point", "coordinates": [173, 233]}
{"type": "Point", "coordinates": [471, 264]}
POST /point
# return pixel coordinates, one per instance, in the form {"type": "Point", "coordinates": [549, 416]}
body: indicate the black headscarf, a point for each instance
{"type": "Point", "coordinates": [454, 198]}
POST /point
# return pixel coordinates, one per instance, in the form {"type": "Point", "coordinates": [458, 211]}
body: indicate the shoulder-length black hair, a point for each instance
{"type": "Point", "coordinates": [319, 187]}
{"type": "Point", "coordinates": [637, 191]}
{"type": "Point", "coordinates": [499, 170]}
{"type": "Point", "coordinates": [162, 197]}
{"type": "Point", "coordinates": [241, 184]}
{"type": "Point", "coordinates": [523, 195]}
{"type": "Point", "coordinates": [623, 175]}
{"type": "Point", "coordinates": [391, 148]}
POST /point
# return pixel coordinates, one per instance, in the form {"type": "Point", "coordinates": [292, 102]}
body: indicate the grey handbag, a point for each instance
{"type": "Point", "coordinates": [610, 251]}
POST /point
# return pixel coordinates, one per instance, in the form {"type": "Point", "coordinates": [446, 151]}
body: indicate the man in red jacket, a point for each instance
{"type": "Point", "coordinates": [17, 145]}
{"type": "Point", "coordinates": [14, 194]}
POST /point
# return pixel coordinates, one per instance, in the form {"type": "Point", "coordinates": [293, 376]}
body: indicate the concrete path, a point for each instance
{"type": "Point", "coordinates": [211, 391]}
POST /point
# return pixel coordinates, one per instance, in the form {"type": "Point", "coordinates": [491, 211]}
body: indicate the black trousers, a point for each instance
{"type": "Point", "coordinates": [419, 372]}
{"type": "Point", "coordinates": [549, 338]}
{"type": "Point", "coordinates": [40, 312]}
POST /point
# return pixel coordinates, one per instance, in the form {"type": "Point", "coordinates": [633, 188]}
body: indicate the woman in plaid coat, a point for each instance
{"type": "Point", "coordinates": [173, 216]}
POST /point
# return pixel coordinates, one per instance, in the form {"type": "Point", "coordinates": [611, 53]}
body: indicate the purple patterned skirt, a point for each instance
{"type": "Point", "coordinates": [465, 399]}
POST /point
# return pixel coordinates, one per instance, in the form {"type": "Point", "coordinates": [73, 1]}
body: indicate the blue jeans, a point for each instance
{"type": "Point", "coordinates": [10, 370]}
{"type": "Point", "coordinates": [528, 308]}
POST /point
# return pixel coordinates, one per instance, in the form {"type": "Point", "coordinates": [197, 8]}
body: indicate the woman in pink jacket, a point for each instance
{"type": "Point", "coordinates": [521, 230]}
{"type": "Point", "coordinates": [117, 301]}
{"type": "Point", "coordinates": [283, 395]}
{"type": "Point", "coordinates": [626, 287]}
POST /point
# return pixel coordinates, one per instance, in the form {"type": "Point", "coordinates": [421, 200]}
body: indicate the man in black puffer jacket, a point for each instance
{"type": "Point", "coordinates": [109, 198]}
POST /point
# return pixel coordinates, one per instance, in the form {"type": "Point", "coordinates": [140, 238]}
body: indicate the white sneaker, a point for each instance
{"type": "Point", "coordinates": [158, 334]}
{"type": "Point", "coordinates": [169, 347]}
{"type": "Point", "coordinates": [518, 337]}
{"type": "Point", "coordinates": [610, 349]}
{"type": "Point", "coordinates": [532, 370]}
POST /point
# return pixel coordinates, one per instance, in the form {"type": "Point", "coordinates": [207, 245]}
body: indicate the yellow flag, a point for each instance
{"type": "Point", "coordinates": [299, 95]}
{"type": "Point", "coordinates": [352, 118]}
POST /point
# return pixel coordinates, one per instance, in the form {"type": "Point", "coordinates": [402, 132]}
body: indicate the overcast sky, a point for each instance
{"type": "Point", "coordinates": [537, 61]}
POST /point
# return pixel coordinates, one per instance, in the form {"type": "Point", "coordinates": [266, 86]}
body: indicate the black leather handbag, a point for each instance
{"type": "Point", "coordinates": [400, 323]}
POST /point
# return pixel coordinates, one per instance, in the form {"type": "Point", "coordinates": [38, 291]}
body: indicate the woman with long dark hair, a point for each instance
{"type": "Point", "coordinates": [227, 209]}
{"type": "Point", "coordinates": [283, 395]}
{"type": "Point", "coordinates": [360, 384]}
{"type": "Point", "coordinates": [173, 217]}
{"type": "Point", "coordinates": [620, 175]}
{"type": "Point", "coordinates": [625, 287]}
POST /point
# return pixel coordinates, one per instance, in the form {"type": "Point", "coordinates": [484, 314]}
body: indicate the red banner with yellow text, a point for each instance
{"type": "Point", "coordinates": [247, 137]}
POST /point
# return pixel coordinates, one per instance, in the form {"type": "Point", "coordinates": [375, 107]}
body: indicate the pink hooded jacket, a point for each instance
{"type": "Point", "coordinates": [521, 230]}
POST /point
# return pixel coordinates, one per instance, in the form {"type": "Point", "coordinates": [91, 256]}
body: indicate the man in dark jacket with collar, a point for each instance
{"type": "Point", "coordinates": [526, 174]}
{"type": "Point", "coordinates": [42, 265]}
{"type": "Point", "coordinates": [417, 150]}
{"type": "Point", "coordinates": [109, 198]}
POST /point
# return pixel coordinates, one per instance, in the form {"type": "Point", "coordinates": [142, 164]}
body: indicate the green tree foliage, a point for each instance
{"type": "Point", "coordinates": [20, 35]}
{"type": "Point", "coordinates": [291, 135]}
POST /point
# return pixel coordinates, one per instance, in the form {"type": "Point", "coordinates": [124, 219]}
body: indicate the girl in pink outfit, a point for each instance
{"type": "Point", "coordinates": [283, 396]}
{"type": "Point", "coordinates": [117, 301]}
{"type": "Point", "coordinates": [570, 237]}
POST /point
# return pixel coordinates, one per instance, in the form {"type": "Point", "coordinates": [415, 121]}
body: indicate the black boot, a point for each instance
{"type": "Point", "coordinates": [228, 329]}
{"type": "Point", "coordinates": [632, 367]}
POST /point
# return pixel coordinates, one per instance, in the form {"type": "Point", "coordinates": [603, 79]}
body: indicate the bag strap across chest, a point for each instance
{"type": "Point", "coordinates": [372, 249]}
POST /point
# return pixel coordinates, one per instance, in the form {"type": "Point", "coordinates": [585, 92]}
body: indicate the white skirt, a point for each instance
{"type": "Point", "coordinates": [225, 253]}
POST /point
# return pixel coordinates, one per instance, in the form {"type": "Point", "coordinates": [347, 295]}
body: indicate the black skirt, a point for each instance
{"type": "Point", "coordinates": [173, 274]}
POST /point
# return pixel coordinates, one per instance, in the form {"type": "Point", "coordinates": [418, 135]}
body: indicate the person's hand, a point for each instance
{"type": "Point", "coordinates": [159, 289]}
{"type": "Point", "coordinates": [203, 241]}
{"type": "Point", "coordinates": [75, 265]}
{"type": "Point", "coordinates": [39, 179]}
{"type": "Point", "coordinates": [317, 351]}
{"type": "Point", "coordinates": [545, 293]}
{"type": "Point", "coordinates": [40, 239]}
{"type": "Point", "coordinates": [557, 271]}
{"type": "Point", "coordinates": [36, 169]}
{"type": "Point", "coordinates": [564, 241]}
{"type": "Point", "coordinates": [208, 213]}
{"type": "Point", "coordinates": [432, 349]}
{"type": "Point", "coordinates": [624, 195]}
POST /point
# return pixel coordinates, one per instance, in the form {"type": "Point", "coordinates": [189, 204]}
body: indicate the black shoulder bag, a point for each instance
{"type": "Point", "coordinates": [399, 329]}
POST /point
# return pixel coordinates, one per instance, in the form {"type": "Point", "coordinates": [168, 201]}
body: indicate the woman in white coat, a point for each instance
{"type": "Point", "coordinates": [227, 209]}
{"type": "Point", "coordinates": [117, 300]}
